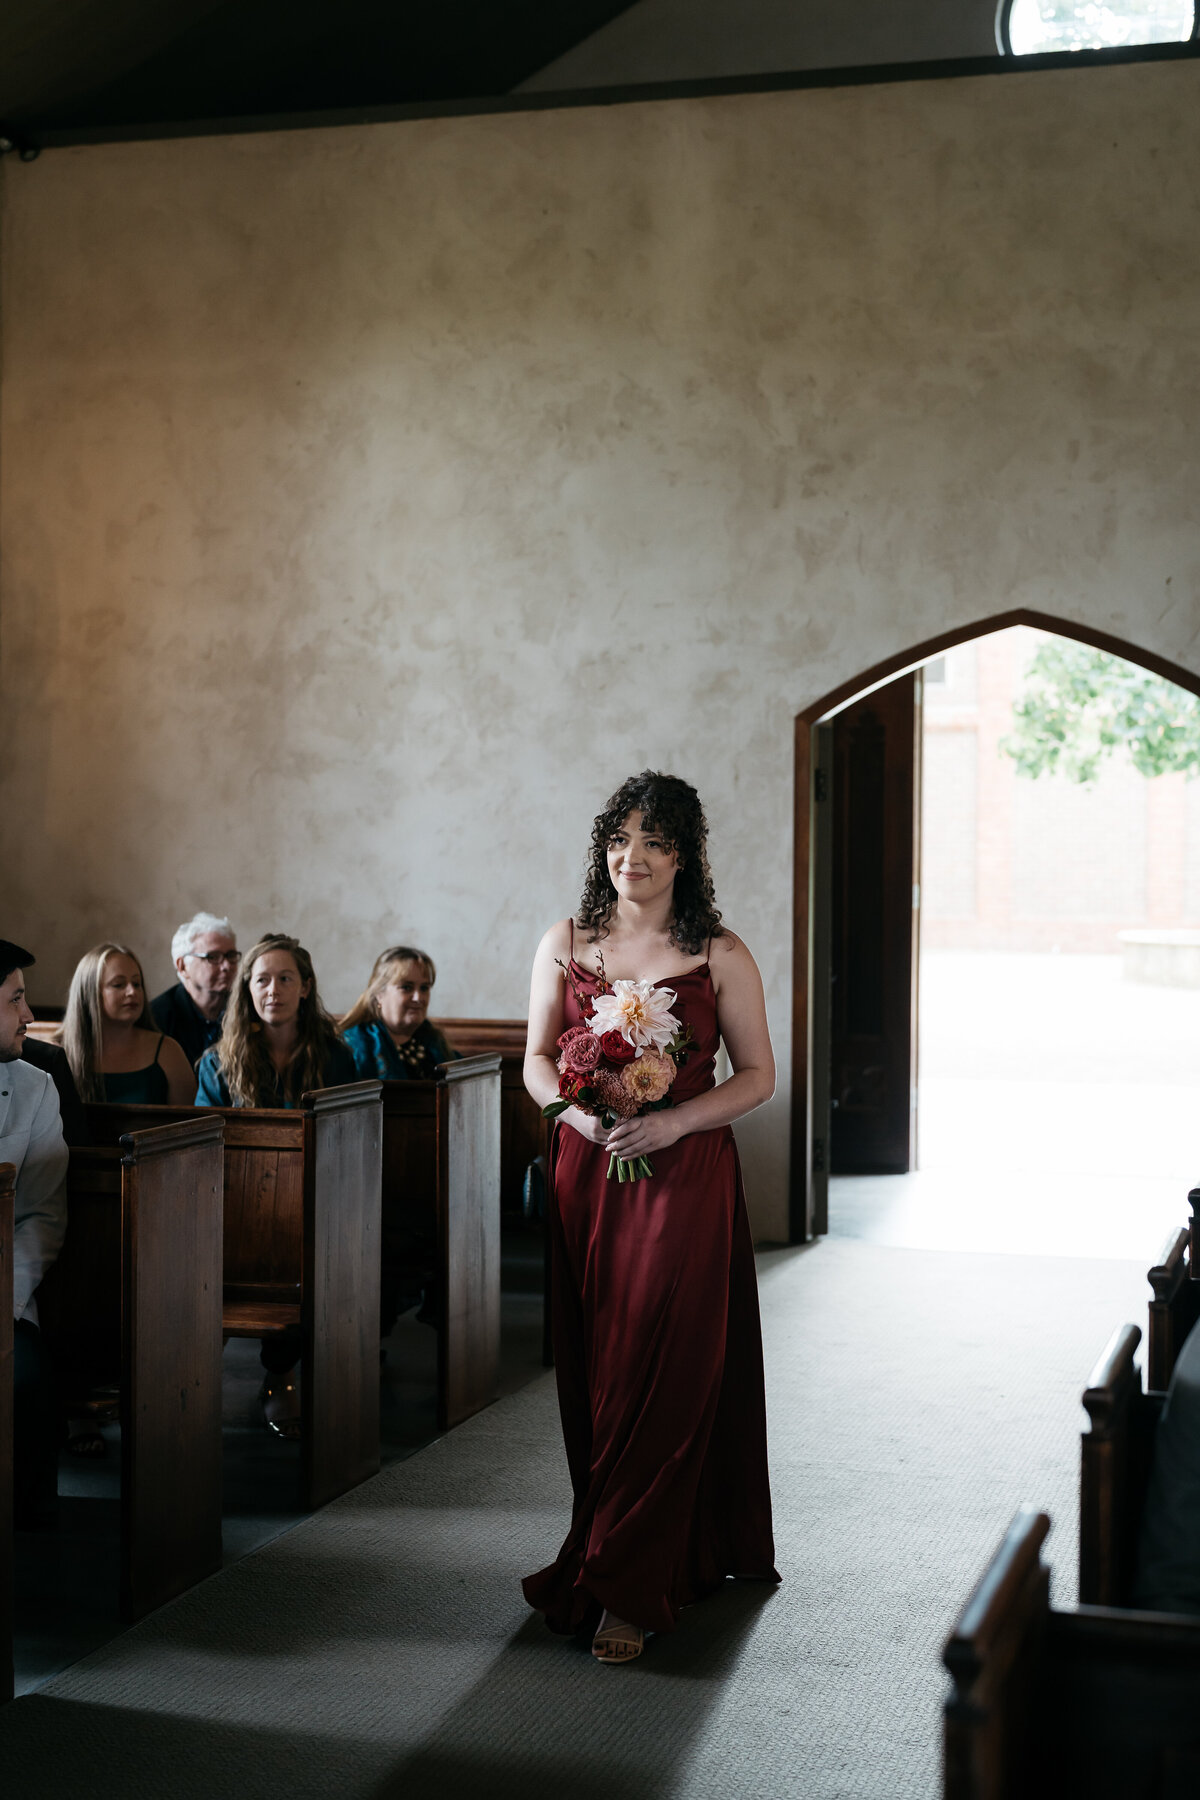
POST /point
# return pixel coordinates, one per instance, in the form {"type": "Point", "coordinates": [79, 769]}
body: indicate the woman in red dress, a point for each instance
{"type": "Point", "coordinates": [655, 1307]}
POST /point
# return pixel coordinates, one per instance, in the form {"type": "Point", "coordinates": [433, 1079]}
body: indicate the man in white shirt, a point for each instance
{"type": "Point", "coordinates": [31, 1138]}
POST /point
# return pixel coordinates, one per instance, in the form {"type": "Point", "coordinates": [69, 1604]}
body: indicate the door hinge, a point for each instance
{"type": "Point", "coordinates": [820, 785]}
{"type": "Point", "coordinates": [818, 1160]}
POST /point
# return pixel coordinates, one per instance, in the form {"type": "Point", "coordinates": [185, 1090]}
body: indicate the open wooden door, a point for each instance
{"type": "Point", "coordinates": [865, 916]}
{"type": "Point", "coordinates": [820, 975]}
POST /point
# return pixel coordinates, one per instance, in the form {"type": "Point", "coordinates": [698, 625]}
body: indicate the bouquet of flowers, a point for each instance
{"type": "Point", "coordinates": [622, 1061]}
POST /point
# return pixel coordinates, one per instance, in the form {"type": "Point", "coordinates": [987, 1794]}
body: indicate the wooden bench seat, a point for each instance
{"type": "Point", "coordinates": [524, 1134]}
{"type": "Point", "coordinates": [8, 1177]}
{"type": "Point", "coordinates": [1115, 1456]}
{"type": "Point", "coordinates": [302, 1197]}
{"type": "Point", "coordinates": [1049, 1704]}
{"type": "Point", "coordinates": [135, 1297]}
{"type": "Point", "coordinates": [1174, 1308]}
{"type": "Point", "coordinates": [441, 1158]}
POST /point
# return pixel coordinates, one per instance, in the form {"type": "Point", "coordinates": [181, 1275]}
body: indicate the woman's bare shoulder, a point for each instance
{"type": "Point", "coordinates": [728, 944]}
{"type": "Point", "coordinates": [729, 955]}
{"type": "Point", "coordinates": [556, 943]}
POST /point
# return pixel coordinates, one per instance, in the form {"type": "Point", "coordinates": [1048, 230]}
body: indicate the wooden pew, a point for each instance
{"type": "Point", "coordinates": [1115, 1456]}
{"type": "Point", "coordinates": [1051, 1704]}
{"type": "Point", "coordinates": [1174, 1308]}
{"type": "Point", "coordinates": [302, 1195]}
{"type": "Point", "coordinates": [441, 1158]}
{"type": "Point", "coordinates": [8, 1177]}
{"type": "Point", "coordinates": [135, 1295]}
{"type": "Point", "coordinates": [524, 1134]}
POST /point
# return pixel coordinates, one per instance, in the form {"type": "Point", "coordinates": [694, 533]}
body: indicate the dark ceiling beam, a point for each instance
{"type": "Point", "coordinates": [53, 50]}
{"type": "Point", "coordinates": [465, 105]}
{"type": "Point", "coordinates": [261, 58]}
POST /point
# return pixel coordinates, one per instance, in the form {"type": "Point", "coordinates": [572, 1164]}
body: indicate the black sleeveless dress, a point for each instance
{"type": "Point", "coordinates": [139, 1087]}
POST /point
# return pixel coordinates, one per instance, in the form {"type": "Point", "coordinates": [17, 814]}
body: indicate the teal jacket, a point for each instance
{"type": "Point", "coordinates": [376, 1057]}
{"type": "Point", "coordinates": [213, 1090]}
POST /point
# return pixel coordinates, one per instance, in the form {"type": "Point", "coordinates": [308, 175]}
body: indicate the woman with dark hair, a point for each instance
{"type": "Point", "coordinates": [655, 1308]}
{"type": "Point", "coordinates": [277, 1042]}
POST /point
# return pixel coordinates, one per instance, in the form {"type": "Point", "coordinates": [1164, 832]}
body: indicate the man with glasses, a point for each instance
{"type": "Point", "coordinates": [206, 956]}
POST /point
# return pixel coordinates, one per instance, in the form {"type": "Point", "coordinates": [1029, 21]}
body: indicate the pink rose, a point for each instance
{"type": "Point", "coordinates": [581, 1054]}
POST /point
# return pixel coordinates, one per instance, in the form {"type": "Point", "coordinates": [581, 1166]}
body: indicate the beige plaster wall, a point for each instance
{"type": "Point", "coordinates": [374, 499]}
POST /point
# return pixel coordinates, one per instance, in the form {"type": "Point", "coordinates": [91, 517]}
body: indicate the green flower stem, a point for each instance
{"type": "Point", "coordinates": [639, 1168]}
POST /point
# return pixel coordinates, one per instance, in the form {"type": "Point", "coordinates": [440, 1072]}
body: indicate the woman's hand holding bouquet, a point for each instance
{"type": "Point", "coordinates": [622, 1061]}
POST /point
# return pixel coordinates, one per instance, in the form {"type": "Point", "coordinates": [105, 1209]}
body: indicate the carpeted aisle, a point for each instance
{"type": "Point", "coordinates": [382, 1648]}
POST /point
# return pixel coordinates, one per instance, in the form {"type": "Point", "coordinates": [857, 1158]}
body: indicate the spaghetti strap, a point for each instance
{"type": "Point", "coordinates": [572, 937]}
{"type": "Point", "coordinates": [157, 1048]}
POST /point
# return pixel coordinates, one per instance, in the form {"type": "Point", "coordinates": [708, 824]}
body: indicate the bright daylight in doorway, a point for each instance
{"type": "Point", "coordinates": [1036, 26]}
{"type": "Point", "coordinates": [1060, 959]}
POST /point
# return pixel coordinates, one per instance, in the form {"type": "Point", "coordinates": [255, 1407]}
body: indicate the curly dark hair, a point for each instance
{"type": "Point", "coordinates": [671, 808]}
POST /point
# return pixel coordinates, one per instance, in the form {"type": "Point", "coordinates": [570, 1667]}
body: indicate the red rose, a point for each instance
{"type": "Point", "coordinates": [616, 1048]}
{"type": "Point", "coordinates": [569, 1086]}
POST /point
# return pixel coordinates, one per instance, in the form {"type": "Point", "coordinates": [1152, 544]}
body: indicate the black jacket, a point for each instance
{"type": "Point", "coordinates": [53, 1061]}
{"type": "Point", "coordinates": [176, 1013]}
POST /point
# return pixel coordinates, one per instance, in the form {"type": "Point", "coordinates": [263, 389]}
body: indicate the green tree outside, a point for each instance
{"type": "Point", "coordinates": [1081, 705]}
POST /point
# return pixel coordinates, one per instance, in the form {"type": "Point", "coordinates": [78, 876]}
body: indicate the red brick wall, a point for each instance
{"type": "Point", "coordinates": [1014, 864]}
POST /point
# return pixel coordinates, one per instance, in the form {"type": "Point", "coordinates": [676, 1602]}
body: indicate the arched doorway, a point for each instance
{"type": "Point", "coordinates": [812, 850]}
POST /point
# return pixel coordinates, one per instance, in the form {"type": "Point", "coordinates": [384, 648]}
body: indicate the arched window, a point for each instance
{"type": "Point", "coordinates": [1027, 27]}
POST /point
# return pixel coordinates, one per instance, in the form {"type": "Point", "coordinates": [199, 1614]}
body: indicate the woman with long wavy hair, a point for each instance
{"type": "Point", "coordinates": [654, 1305]}
{"type": "Point", "coordinates": [116, 1051]}
{"type": "Point", "coordinates": [277, 1042]}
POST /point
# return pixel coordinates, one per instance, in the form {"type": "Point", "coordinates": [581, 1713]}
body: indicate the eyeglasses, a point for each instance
{"type": "Point", "coordinates": [212, 957]}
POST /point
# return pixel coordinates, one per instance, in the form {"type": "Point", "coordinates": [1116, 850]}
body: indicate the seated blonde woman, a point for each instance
{"type": "Point", "coordinates": [392, 1040]}
{"type": "Point", "coordinates": [115, 1050]}
{"type": "Point", "coordinates": [277, 1042]}
{"type": "Point", "coordinates": [387, 1029]}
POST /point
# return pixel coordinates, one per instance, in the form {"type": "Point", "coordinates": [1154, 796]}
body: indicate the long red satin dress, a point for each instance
{"type": "Point", "coordinates": [658, 1352]}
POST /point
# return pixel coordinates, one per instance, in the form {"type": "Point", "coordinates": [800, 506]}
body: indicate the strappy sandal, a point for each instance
{"type": "Point", "coordinates": [280, 1398]}
{"type": "Point", "coordinates": [616, 1641]}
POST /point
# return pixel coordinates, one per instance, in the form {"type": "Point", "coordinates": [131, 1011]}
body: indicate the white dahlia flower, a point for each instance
{"type": "Point", "coordinates": [640, 1011]}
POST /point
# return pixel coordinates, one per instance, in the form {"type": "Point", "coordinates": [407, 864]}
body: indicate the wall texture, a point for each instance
{"type": "Point", "coordinates": [374, 499]}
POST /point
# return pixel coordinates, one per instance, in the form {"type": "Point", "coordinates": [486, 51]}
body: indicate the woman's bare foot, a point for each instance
{"type": "Point", "coordinates": [616, 1640]}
